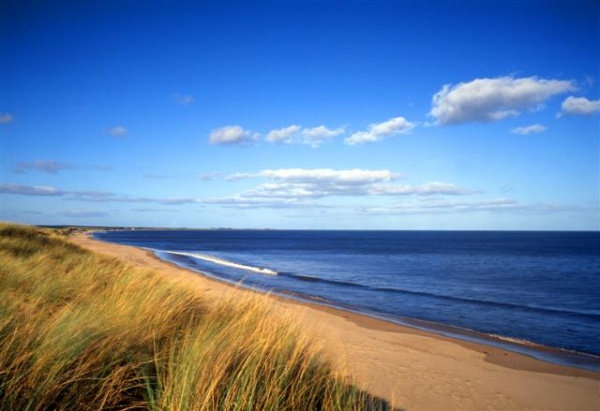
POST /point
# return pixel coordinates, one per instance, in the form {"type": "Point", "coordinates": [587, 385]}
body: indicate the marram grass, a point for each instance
{"type": "Point", "coordinates": [80, 331]}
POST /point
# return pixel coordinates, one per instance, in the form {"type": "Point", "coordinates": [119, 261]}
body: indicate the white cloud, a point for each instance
{"type": "Point", "coordinates": [6, 118]}
{"type": "Point", "coordinates": [378, 131]}
{"type": "Point", "coordinates": [317, 135]}
{"type": "Point", "coordinates": [534, 128]}
{"type": "Point", "coordinates": [353, 176]}
{"type": "Point", "coordinates": [275, 203]}
{"type": "Point", "coordinates": [239, 176]}
{"type": "Point", "coordinates": [442, 206]}
{"type": "Point", "coordinates": [46, 166]}
{"type": "Point", "coordinates": [118, 131]}
{"type": "Point", "coordinates": [427, 189]}
{"type": "Point", "coordinates": [231, 135]}
{"type": "Point", "coordinates": [314, 136]}
{"type": "Point", "coordinates": [299, 184]}
{"type": "Point", "coordinates": [183, 100]}
{"type": "Point", "coordinates": [283, 135]}
{"type": "Point", "coordinates": [296, 184]}
{"type": "Point", "coordinates": [492, 99]}
{"type": "Point", "coordinates": [580, 106]}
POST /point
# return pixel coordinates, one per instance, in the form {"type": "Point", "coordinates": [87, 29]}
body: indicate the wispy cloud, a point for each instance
{"type": "Point", "coordinates": [379, 131]}
{"type": "Point", "coordinates": [297, 184]}
{"type": "Point", "coordinates": [210, 176]}
{"type": "Point", "coordinates": [154, 210]}
{"type": "Point", "coordinates": [85, 214]}
{"type": "Point", "coordinates": [184, 100]}
{"type": "Point", "coordinates": [31, 190]}
{"type": "Point", "coordinates": [437, 206]}
{"type": "Point", "coordinates": [534, 128]}
{"type": "Point", "coordinates": [231, 135]}
{"type": "Point", "coordinates": [6, 118]}
{"type": "Point", "coordinates": [314, 136]}
{"type": "Point", "coordinates": [318, 135]}
{"type": "Point", "coordinates": [79, 195]}
{"type": "Point", "coordinates": [118, 131]}
{"type": "Point", "coordinates": [283, 135]}
{"type": "Point", "coordinates": [273, 203]}
{"type": "Point", "coordinates": [240, 176]}
{"type": "Point", "coordinates": [492, 99]}
{"type": "Point", "coordinates": [45, 166]}
{"type": "Point", "coordinates": [305, 189]}
{"type": "Point", "coordinates": [579, 106]}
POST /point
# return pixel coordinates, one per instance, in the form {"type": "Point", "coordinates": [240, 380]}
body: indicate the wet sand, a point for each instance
{"type": "Point", "coordinates": [412, 369]}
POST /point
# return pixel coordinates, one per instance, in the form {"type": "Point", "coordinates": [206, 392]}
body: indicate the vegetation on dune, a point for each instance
{"type": "Point", "coordinates": [80, 331]}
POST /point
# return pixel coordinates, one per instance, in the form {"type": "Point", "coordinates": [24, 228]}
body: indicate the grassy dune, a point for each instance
{"type": "Point", "coordinates": [80, 331]}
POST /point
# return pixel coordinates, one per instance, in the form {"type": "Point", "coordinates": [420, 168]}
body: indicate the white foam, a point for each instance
{"type": "Point", "coordinates": [227, 263]}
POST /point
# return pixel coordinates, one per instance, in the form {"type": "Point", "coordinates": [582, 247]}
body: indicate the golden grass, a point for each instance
{"type": "Point", "coordinates": [80, 331]}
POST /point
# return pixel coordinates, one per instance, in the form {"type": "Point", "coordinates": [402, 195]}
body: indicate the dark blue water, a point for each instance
{"type": "Point", "coordinates": [539, 287]}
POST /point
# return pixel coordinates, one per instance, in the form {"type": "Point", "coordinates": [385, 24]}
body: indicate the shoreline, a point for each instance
{"type": "Point", "coordinates": [411, 368]}
{"type": "Point", "coordinates": [551, 354]}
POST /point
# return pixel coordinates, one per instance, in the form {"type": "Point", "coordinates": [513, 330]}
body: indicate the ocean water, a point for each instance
{"type": "Point", "coordinates": [517, 289]}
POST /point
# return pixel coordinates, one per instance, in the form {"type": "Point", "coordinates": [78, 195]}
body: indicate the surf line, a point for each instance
{"type": "Point", "coordinates": [227, 263]}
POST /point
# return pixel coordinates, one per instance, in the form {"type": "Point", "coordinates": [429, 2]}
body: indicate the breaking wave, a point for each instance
{"type": "Point", "coordinates": [221, 261]}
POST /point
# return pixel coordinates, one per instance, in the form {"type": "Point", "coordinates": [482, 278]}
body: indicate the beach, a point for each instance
{"type": "Point", "coordinates": [412, 369]}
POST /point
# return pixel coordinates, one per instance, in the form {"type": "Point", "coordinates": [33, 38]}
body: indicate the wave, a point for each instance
{"type": "Point", "coordinates": [221, 261]}
{"type": "Point", "coordinates": [488, 303]}
{"type": "Point", "coordinates": [427, 294]}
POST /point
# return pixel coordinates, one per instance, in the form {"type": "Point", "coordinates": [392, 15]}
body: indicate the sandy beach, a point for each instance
{"type": "Point", "coordinates": [412, 369]}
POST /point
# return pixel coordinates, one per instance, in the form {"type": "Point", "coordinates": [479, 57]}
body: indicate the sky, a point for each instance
{"type": "Point", "coordinates": [386, 115]}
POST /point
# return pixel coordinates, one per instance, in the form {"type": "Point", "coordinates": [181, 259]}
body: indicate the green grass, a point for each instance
{"type": "Point", "coordinates": [80, 331]}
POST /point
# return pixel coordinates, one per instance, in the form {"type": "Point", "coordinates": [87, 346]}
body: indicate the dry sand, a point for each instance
{"type": "Point", "coordinates": [413, 370]}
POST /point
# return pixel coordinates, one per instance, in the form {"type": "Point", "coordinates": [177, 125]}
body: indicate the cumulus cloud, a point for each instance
{"type": "Point", "coordinates": [183, 100]}
{"type": "Point", "coordinates": [534, 128]}
{"type": "Point", "coordinates": [45, 166]}
{"type": "Point", "coordinates": [283, 135]}
{"type": "Point", "coordinates": [492, 99]}
{"type": "Point", "coordinates": [231, 135]}
{"type": "Point", "coordinates": [317, 135]}
{"type": "Point", "coordinates": [6, 118]}
{"type": "Point", "coordinates": [378, 131]}
{"type": "Point", "coordinates": [118, 131]}
{"type": "Point", "coordinates": [580, 106]}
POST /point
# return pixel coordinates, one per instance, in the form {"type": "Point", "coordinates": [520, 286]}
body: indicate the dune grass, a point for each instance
{"type": "Point", "coordinates": [80, 331]}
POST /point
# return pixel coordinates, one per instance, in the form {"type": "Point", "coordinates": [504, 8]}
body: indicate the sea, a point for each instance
{"type": "Point", "coordinates": [537, 293]}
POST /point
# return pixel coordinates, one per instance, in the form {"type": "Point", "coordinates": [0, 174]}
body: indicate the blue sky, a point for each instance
{"type": "Point", "coordinates": [301, 114]}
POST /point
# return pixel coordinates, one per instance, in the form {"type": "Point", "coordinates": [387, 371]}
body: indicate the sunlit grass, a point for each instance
{"type": "Point", "coordinates": [80, 331]}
